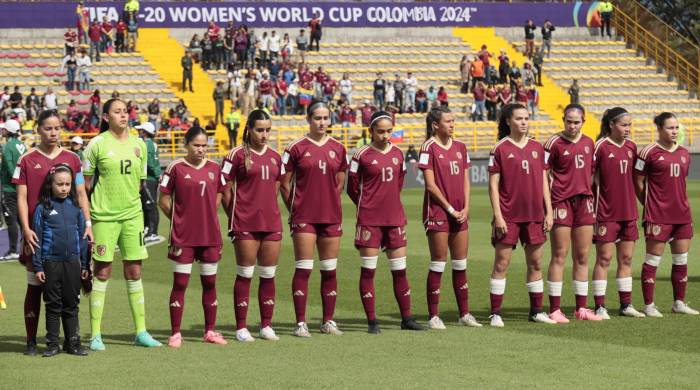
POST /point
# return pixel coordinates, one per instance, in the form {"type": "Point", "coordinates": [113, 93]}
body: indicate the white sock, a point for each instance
{"type": "Point", "coordinates": [497, 286]}
{"type": "Point", "coordinates": [624, 284]}
{"type": "Point", "coordinates": [581, 288]}
{"type": "Point", "coordinates": [599, 287]}
{"type": "Point", "coordinates": [554, 288]}
{"type": "Point", "coordinates": [536, 286]}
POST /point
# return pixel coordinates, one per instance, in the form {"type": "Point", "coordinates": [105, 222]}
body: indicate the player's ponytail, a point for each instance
{"type": "Point", "coordinates": [255, 115]}
{"type": "Point", "coordinates": [609, 118]}
{"type": "Point", "coordinates": [506, 114]}
{"type": "Point", "coordinates": [660, 119]}
{"type": "Point", "coordinates": [433, 117]}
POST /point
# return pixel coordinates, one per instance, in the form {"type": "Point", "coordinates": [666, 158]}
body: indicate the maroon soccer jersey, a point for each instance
{"type": "Point", "coordinates": [194, 190]}
{"type": "Point", "coordinates": [32, 168]}
{"type": "Point", "coordinates": [571, 164]}
{"type": "Point", "coordinates": [612, 165]}
{"type": "Point", "coordinates": [374, 184]}
{"type": "Point", "coordinates": [520, 187]}
{"type": "Point", "coordinates": [665, 171]}
{"type": "Point", "coordinates": [254, 207]}
{"type": "Point", "coordinates": [314, 167]}
{"type": "Point", "coordinates": [449, 165]}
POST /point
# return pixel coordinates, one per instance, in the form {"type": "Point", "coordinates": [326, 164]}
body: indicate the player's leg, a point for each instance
{"type": "Point", "coordinates": [268, 256]}
{"type": "Point", "coordinates": [368, 266]}
{"type": "Point", "coordinates": [623, 278]}
{"type": "Point", "coordinates": [304, 243]}
{"type": "Point", "coordinates": [679, 274]}
{"type": "Point", "coordinates": [582, 237]}
{"type": "Point", "coordinates": [182, 269]}
{"type": "Point", "coordinates": [396, 254]}
{"type": "Point", "coordinates": [459, 247]}
{"type": "Point", "coordinates": [106, 236]}
{"type": "Point", "coordinates": [560, 242]}
{"type": "Point", "coordinates": [535, 286]}
{"type": "Point", "coordinates": [652, 259]}
{"type": "Point", "coordinates": [32, 302]}
{"type": "Point", "coordinates": [604, 255]}
{"type": "Point", "coordinates": [208, 266]}
{"type": "Point", "coordinates": [246, 248]}
{"type": "Point", "coordinates": [328, 248]}
{"type": "Point", "coordinates": [438, 243]}
{"type": "Point", "coordinates": [497, 283]}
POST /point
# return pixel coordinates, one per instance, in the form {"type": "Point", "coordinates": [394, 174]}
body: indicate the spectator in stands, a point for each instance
{"type": "Point", "coordinates": [528, 74]}
{"type": "Point", "coordinates": [320, 77]}
{"type": "Point", "coordinates": [107, 35]}
{"type": "Point", "coordinates": [476, 71]}
{"type": "Point", "coordinates": [302, 43]}
{"type": "Point", "coordinates": [32, 98]}
{"type": "Point", "coordinates": [132, 28]}
{"type": "Point", "coordinates": [547, 29]}
{"type": "Point", "coordinates": [274, 69]}
{"type": "Point", "coordinates": [421, 101]}
{"type": "Point", "coordinates": [273, 45]}
{"type": "Point", "coordinates": [316, 33]}
{"type": "Point", "coordinates": [83, 22]}
{"type": "Point", "coordinates": [286, 48]}
{"type": "Point", "coordinates": [503, 67]}
{"type": "Point", "coordinates": [347, 114]}
{"type": "Point", "coordinates": [131, 8]}
{"type": "Point", "coordinates": [479, 93]}
{"type": "Point", "coordinates": [49, 101]}
{"type": "Point", "coordinates": [207, 53]}
{"type": "Point", "coordinates": [366, 111]}
{"type": "Point", "coordinates": [532, 101]}
{"type": "Point", "coordinates": [281, 90]}
{"type": "Point", "coordinates": [379, 90]}
{"type": "Point", "coordinates": [71, 41]}
{"type": "Point", "coordinates": [250, 89]}
{"type": "Point", "coordinates": [120, 41]}
{"type": "Point", "coordinates": [228, 43]}
{"type": "Point", "coordinates": [181, 110]}
{"type": "Point", "coordinates": [411, 88]}
{"type": "Point", "coordinates": [218, 49]}
{"type": "Point", "coordinates": [95, 41]}
{"type": "Point", "coordinates": [538, 62]}
{"type": "Point", "coordinates": [84, 64]}
{"type": "Point", "coordinates": [390, 94]}
{"type": "Point", "coordinates": [76, 146]}
{"type": "Point", "coordinates": [233, 122]}
{"type": "Point", "coordinates": [219, 95]}
{"type": "Point", "coordinates": [16, 97]}
{"type": "Point", "coordinates": [186, 64]}
{"type": "Point", "coordinates": [606, 10]}
{"type": "Point", "coordinates": [573, 92]}
{"type": "Point", "coordinates": [293, 96]}
{"type": "Point", "coordinates": [530, 38]}
{"type": "Point", "coordinates": [5, 95]}
{"type": "Point", "coordinates": [330, 87]}
{"type": "Point", "coordinates": [235, 86]}
{"type": "Point", "coordinates": [70, 66]}
{"type": "Point", "coordinates": [464, 66]}
{"type": "Point", "coordinates": [514, 75]}
{"type": "Point", "coordinates": [399, 92]}
{"type": "Point", "coordinates": [213, 31]}
{"type": "Point", "coordinates": [485, 56]}
{"type": "Point", "coordinates": [240, 45]}
{"type": "Point", "coordinates": [252, 46]}
{"type": "Point", "coordinates": [194, 48]}
{"type": "Point", "coordinates": [411, 154]}
{"type": "Point", "coordinates": [263, 45]}
{"type": "Point", "coordinates": [133, 113]}
{"type": "Point", "coordinates": [346, 88]}
{"type": "Point", "coordinates": [521, 94]}
{"type": "Point", "coordinates": [154, 113]}
{"type": "Point", "coordinates": [442, 97]}
{"type": "Point", "coordinates": [491, 102]}
{"type": "Point", "coordinates": [19, 113]}
{"type": "Point", "coordinates": [115, 95]}
{"type": "Point", "coordinates": [432, 97]}
{"type": "Point", "coordinates": [266, 89]}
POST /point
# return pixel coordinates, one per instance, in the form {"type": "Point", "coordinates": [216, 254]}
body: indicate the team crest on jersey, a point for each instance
{"type": "Point", "coordinates": [332, 154]}
{"type": "Point", "coordinates": [101, 250]}
{"type": "Point", "coordinates": [137, 152]}
{"type": "Point", "coordinates": [459, 155]}
{"type": "Point", "coordinates": [561, 213]}
{"type": "Point", "coordinates": [602, 230]}
{"type": "Point", "coordinates": [587, 149]}
{"type": "Point", "coordinates": [534, 154]}
{"type": "Point", "coordinates": [211, 175]}
{"type": "Point", "coordinates": [366, 235]}
{"type": "Point", "coordinates": [655, 230]}
{"type": "Point", "coordinates": [396, 161]}
{"type": "Point", "coordinates": [175, 250]}
{"type": "Point", "coordinates": [683, 159]}
{"type": "Point", "coordinates": [274, 162]}
{"type": "Point", "coordinates": [441, 156]}
{"type": "Point", "coordinates": [629, 153]}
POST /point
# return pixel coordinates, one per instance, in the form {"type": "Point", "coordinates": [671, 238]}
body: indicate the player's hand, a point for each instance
{"type": "Point", "coordinates": [500, 226]}
{"type": "Point", "coordinates": [41, 276]}
{"type": "Point", "coordinates": [462, 216]}
{"type": "Point", "coordinates": [30, 239]}
{"type": "Point", "coordinates": [84, 274]}
{"type": "Point", "coordinates": [548, 222]}
{"type": "Point", "coordinates": [88, 234]}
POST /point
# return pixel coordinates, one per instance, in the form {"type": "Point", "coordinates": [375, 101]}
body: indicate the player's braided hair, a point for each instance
{"type": "Point", "coordinates": [660, 119]}
{"type": "Point", "coordinates": [506, 114]}
{"type": "Point", "coordinates": [433, 117]}
{"type": "Point", "coordinates": [609, 118]}
{"type": "Point", "coordinates": [255, 115]}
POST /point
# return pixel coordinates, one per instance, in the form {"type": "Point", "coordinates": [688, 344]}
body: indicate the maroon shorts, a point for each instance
{"type": "Point", "coordinates": [574, 212]}
{"type": "Point", "coordinates": [529, 233]}
{"type": "Point", "coordinates": [665, 233]}
{"type": "Point", "coordinates": [319, 229]}
{"type": "Point", "coordinates": [257, 236]}
{"type": "Point", "coordinates": [383, 237]}
{"type": "Point", "coordinates": [187, 255]}
{"type": "Point", "coordinates": [450, 226]}
{"type": "Point", "coordinates": [615, 231]}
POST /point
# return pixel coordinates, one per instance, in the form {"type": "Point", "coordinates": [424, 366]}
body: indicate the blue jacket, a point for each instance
{"type": "Point", "coordinates": [60, 230]}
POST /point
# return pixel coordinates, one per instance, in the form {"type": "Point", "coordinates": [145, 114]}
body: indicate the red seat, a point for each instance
{"type": "Point", "coordinates": [11, 55]}
{"type": "Point", "coordinates": [59, 74]}
{"type": "Point", "coordinates": [30, 64]}
{"type": "Point", "coordinates": [74, 92]}
{"type": "Point", "coordinates": [23, 55]}
{"type": "Point", "coordinates": [3, 55]}
{"type": "Point", "coordinates": [86, 92]}
{"type": "Point", "coordinates": [83, 102]}
{"type": "Point", "coordinates": [42, 64]}
{"type": "Point", "coordinates": [48, 73]}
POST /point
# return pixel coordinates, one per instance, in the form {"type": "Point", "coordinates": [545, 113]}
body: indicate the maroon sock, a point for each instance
{"type": "Point", "coordinates": [536, 302]}
{"type": "Point", "coordinates": [581, 301]}
{"type": "Point", "coordinates": [32, 310]}
{"type": "Point", "coordinates": [648, 283]}
{"type": "Point", "coordinates": [625, 297]}
{"type": "Point", "coordinates": [209, 302]}
{"type": "Point", "coordinates": [679, 280]}
{"type": "Point", "coordinates": [241, 296]}
{"type": "Point", "coordinates": [599, 300]}
{"type": "Point", "coordinates": [461, 289]}
{"type": "Point", "coordinates": [329, 293]}
{"type": "Point", "coordinates": [433, 291]}
{"type": "Point", "coordinates": [554, 303]}
{"type": "Point", "coordinates": [266, 301]}
{"type": "Point", "coordinates": [496, 302]}
{"type": "Point", "coordinates": [177, 300]}
{"type": "Point", "coordinates": [402, 291]}
{"type": "Point", "coordinates": [367, 292]}
{"type": "Point", "coordinates": [300, 291]}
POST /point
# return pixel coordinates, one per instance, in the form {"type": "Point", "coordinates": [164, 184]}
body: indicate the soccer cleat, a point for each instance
{"type": "Point", "coordinates": [96, 343]}
{"type": "Point", "coordinates": [680, 307]}
{"type": "Point", "coordinates": [52, 349]}
{"type": "Point", "coordinates": [243, 335]}
{"type": "Point", "coordinates": [30, 350]}
{"type": "Point", "coordinates": [175, 341]}
{"type": "Point", "coordinates": [602, 312]}
{"type": "Point", "coordinates": [409, 323]}
{"type": "Point", "coordinates": [436, 323]}
{"type": "Point", "coordinates": [9, 255]}
{"type": "Point", "coordinates": [144, 339]}
{"type": "Point", "coordinates": [630, 311]}
{"type": "Point", "coordinates": [267, 333]}
{"type": "Point", "coordinates": [496, 321]}
{"type": "Point", "coordinates": [72, 347]}
{"type": "Point", "coordinates": [558, 317]}
{"type": "Point", "coordinates": [586, 314]}
{"type": "Point", "coordinates": [542, 318]}
{"type": "Point", "coordinates": [302, 330]}
{"type": "Point", "coordinates": [469, 320]}
{"type": "Point", "coordinates": [330, 327]}
{"type": "Point", "coordinates": [651, 311]}
{"type": "Point", "coordinates": [214, 338]}
{"type": "Point", "coordinates": [373, 327]}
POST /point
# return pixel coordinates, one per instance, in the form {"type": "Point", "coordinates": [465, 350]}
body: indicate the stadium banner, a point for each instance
{"type": "Point", "coordinates": [479, 174]}
{"type": "Point", "coordinates": [297, 14]}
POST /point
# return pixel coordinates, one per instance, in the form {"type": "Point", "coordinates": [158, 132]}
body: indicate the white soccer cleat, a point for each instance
{"type": "Point", "coordinates": [243, 335]}
{"type": "Point", "coordinates": [680, 307]}
{"type": "Point", "coordinates": [496, 321]}
{"type": "Point", "coordinates": [469, 320]}
{"type": "Point", "coordinates": [436, 323]}
{"type": "Point", "coordinates": [630, 311]}
{"type": "Point", "coordinates": [542, 318]}
{"type": "Point", "coordinates": [652, 311]}
{"type": "Point", "coordinates": [267, 333]}
{"type": "Point", "coordinates": [330, 327]}
{"type": "Point", "coordinates": [602, 312]}
{"type": "Point", "coordinates": [302, 330]}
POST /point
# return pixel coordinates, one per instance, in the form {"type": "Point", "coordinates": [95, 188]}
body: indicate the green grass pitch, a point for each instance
{"type": "Point", "coordinates": [620, 353]}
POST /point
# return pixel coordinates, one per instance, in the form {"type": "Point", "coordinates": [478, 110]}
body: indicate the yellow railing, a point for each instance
{"type": "Point", "coordinates": [656, 39]}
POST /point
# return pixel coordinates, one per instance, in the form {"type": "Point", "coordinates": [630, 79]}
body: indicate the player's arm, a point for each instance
{"type": "Point", "coordinates": [84, 206]}
{"type": "Point", "coordinates": [548, 216]}
{"type": "Point", "coordinates": [435, 193]}
{"type": "Point", "coordinates": [23, 209]}
{"type": "Point", "coordinates": [286, 179]}
{"type": "Point", "coordinates": [498, 222]}
{"type": "Point", "coordinates": [640, 187]}
{"type": "Point", "coordinates": [165, 204]}
{"type": "Point", "coordinates": [227, 196]}
{"type": "Point", "coordinates": [340, 182]}
{"type": "Point", "coordinates": [353, 189]}
{"type": "Point", "coordinates": [467, 194]}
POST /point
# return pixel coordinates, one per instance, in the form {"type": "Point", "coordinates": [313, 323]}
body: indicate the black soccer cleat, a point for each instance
{"type": "Point", "coordinates": [373, 327]}
{"type": "Point", "coordinates": [409, 323]}
{"type": "Point", "coordinates": [51, 350]}
{"type": "Point", "coordinates": [73, 347]}
{"type": "Point", "coordinates": [31, 348]}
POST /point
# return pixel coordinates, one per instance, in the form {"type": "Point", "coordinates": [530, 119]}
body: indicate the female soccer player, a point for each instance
{"type": "Point", "coordinates": [117, 160]}
{"type": "Point", "coordinates": [29, 176]}
{"type": "Point", "coordinates": [616, 210]}
{"type": "Point", "coordinates": [522, 208]}
{"type": "Point", "coordinates": [445, 164]}
{"type": "Point", "coordinates": [660, 173]}
{"type": "Point", "coordinates": [315, 175]}
{"type": "Point", "coordinates": [255, 226]}
{"type": "Point", "coordinates": [195, 231]}
{"type": "Point", "coordinates": [569, 157]}
{"type": "Point", "coordinates": [376, 178]}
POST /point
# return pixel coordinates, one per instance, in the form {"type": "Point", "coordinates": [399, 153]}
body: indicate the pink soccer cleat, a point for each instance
{"type": "Point", "coordinates": [175, 341]}
{"type": "Point", "coordinates": [214, 338]}
{"type": "Point", "coordinates": [586, 314]}
{"type": "Point", "coordinates": [558, 317]}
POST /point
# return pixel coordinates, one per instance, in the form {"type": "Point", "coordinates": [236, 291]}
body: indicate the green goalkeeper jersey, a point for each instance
{"type": "Point", "coordinates": [118, 168]}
